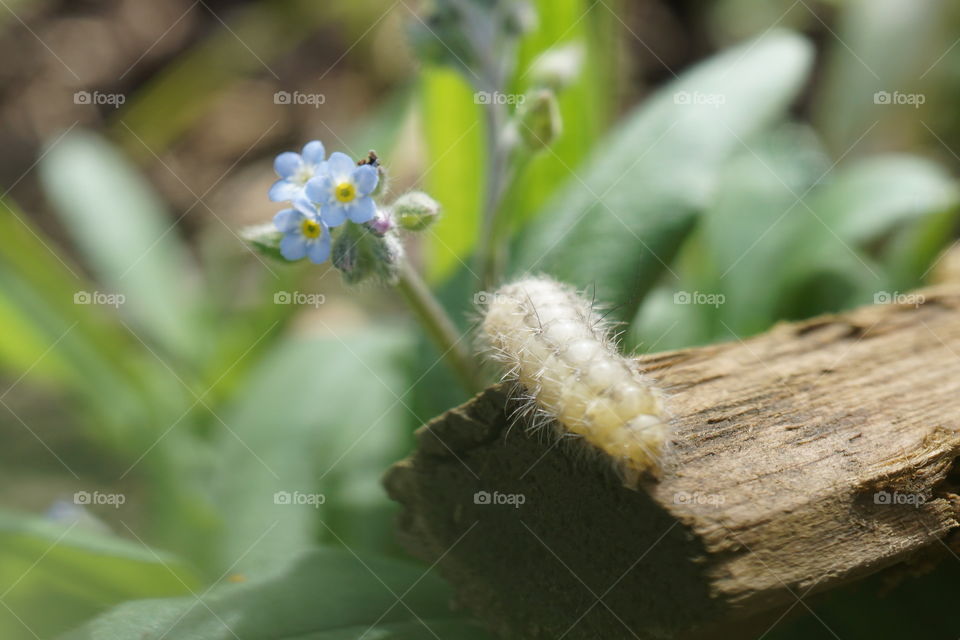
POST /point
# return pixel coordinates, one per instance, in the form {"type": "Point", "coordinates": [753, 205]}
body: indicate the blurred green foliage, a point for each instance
{"type": "Point", "coordinates": [199, 388]}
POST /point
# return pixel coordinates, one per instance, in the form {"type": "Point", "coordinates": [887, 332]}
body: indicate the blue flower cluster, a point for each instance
{"type": "Point", "coordinates": [324, 193]}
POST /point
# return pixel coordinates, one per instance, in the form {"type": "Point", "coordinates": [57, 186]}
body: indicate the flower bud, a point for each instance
{"type": "Point", "coordinates": [360, 254]}
{"type": "Point", "coordinates": [539, 120]}
{"type": "Point", "coordinates": [382, 223]}
{"type": "Point", "coordinates": [559, 67]}
{"type": "Point", "coordinates": [415, 211]}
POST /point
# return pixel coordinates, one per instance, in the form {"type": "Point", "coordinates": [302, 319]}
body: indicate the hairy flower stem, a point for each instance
{"type": "Point", "coordinates": [507, 161]}
{"type": "Point", "coordinates": [440, 328]}
{"type": "Point", "coordinates": [489, 254]}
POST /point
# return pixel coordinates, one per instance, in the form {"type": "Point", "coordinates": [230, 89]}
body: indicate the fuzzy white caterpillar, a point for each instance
{"type": "Point", "coordinates": [554, 344]}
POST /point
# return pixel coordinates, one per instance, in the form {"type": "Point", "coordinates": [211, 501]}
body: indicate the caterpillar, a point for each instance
{"type": "Point", "coordinates": [558, 348]}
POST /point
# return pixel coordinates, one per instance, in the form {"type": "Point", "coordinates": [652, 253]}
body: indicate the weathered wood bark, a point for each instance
{"type": "Point", "coordinates": [811, 455]}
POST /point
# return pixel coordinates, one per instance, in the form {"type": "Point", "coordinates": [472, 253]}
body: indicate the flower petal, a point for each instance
{"type": "Point", "coordinates": [293, 246]}
{"type": "Point", "coordinates": [318, 189]}
{"type": "Point", "coordinates": [340, 164]}
{"type": "Point", "coordinates": [333, 215]}
{"type": "Point", "coordinates": [283, 190]}
{"type": "Point", "coordinates": [319, 250]}
{"type": "Point", "coordinates": [361, 210]}
{"type": "Point", "coordinates": [304, 206]}
{"type": "Point", "coordinates": [287, 220]}
{"type": "Point", "coordinates": [366, 178]}
{"type": "Point", "coordinates": [313, 152]}
{"type": "Point", "coordinates": [287, 163]}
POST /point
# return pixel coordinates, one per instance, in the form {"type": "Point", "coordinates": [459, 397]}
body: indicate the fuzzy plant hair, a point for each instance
{"type": "Point", "coordinates": [563, 356]}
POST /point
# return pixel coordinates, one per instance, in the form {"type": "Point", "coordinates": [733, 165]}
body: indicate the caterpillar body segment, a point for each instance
{"type": "Point", "coordinates": [554, 344]}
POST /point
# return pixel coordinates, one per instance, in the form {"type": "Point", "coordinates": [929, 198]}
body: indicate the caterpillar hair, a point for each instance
{"type": "Point", "coordinates": [555, 345]}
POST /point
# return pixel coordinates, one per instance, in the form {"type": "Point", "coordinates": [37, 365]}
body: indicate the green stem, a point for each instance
{"type": "Point", "coordinates": [496, 224]}
{"type": "Point", "coordinates": [440, 328]}
{"type": "Point", "coordinates": [488, 253]}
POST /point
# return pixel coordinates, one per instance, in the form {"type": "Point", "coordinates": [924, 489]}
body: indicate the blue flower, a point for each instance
{"type": "Point", "coordinates": [305, 235]}
{"type": "Point", "coordinates": [342, 191]}
{"type": "Point", "coordinates": [295, 169]}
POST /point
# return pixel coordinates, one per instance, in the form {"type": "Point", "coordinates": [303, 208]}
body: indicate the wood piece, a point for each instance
{"type": "Point", "coordinates": [805, 457]}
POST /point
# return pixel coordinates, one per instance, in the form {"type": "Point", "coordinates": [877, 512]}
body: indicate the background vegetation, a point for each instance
{"type": "Point", "coordinates": [199, 397]}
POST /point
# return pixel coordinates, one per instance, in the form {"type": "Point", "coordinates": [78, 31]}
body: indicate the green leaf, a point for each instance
{"type": "Point", "coordinates": [324, 594]}
{"type": "Point", "coordinates": [453, 131]}
{"type": "Point", "coordinates": [54, 576]}
{"type": "Point", "coordinates": [51, 336]}
{"type": "Point", "coordinates": [662, 324]}
{"type": "Point", "coordinates": [865, 200]}
{"type": "Point", "coordinates": [125, 234]}
{"type": "Point", "coordinates": [813, 252]}
{"type": "Point", "coordinates": [50, 284]}
{"type": "Point", "coordinates": [621, 219]}
{"type": "Point", "coordinates": [317, 416]}
{"type": "Point", "coordinates": [913, 252]}
{"type": "Point", "coordinates": [755, 221]}
{"type": "Point", "coordinates": [864, 203]}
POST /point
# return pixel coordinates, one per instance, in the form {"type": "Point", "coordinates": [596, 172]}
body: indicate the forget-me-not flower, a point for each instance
{"type": "Point", "coordinates": [342, 191]}
{"type": "Point", "coordinates": [305, 235]}
{"type": "Point", "coordinates": [295, 169]}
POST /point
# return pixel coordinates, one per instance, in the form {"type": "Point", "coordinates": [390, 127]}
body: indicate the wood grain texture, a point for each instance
{"type": "Point", "coordinates": [802, 458]}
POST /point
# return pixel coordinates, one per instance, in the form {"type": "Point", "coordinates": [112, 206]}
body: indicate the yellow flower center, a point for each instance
{"type": "Point", "coordinates": [345, 192]}
{"type": "Point", "coordinates": [310, 229]}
